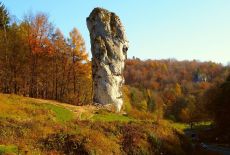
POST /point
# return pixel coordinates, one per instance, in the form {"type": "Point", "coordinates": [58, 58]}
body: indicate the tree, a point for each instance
{"type": "Point", "coordinates": [178, 89]}
{"type": "Point", "coordinates": [18, 56]}
{"type": "Point", "coordinates": [80, 69]}
{"type": "Point", "coordinates": [59, 65]}
{"type": "Point", "coordinates": [4, 17]}
{"type": "Point", "coordinates": [218, 104]}
{"type": "Point", "coordinates": [38, 33]}
{"type": "Point", "coordinates": [4, 21]}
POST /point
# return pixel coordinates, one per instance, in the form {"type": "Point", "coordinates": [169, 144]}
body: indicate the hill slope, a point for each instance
{"type": "Point", "coordinates": [36, 126]}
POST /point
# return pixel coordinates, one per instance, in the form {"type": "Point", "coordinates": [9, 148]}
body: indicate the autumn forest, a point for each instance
{"type": "Point", "coordinates": [38, 61]}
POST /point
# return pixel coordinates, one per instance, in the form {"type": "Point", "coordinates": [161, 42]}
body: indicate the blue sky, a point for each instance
{"type": "Point", "coordinates": [156, 29]}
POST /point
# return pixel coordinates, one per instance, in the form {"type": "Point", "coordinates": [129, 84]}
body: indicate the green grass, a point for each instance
{"type": "Point", "coordinates": [61, 114]}
{"type": "Point", "coordinates": [180, 126]}
{"type": "Point", "coordinates": [206, 123]}
{"type": "Point", "coordinates": [22, 108]}
{"type": "Point", "coordinates": [110, 117]}
{"type": "Point", "coordinates": [8, 149]}
{"type": "Point", "coordinates": [198, 125]}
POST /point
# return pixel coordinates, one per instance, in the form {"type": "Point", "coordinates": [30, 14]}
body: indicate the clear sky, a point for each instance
{"type": "Point", "coordinates": [156, 29]}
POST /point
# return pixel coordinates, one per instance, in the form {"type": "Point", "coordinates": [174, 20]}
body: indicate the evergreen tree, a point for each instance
{"type": "Point", "coordinates": [4, 17]}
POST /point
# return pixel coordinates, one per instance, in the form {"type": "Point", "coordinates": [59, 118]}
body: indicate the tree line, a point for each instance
{"type": "Point", "coordinates": [36, 60]}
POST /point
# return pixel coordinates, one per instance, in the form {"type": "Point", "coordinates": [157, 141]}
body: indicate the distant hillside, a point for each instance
{"type": "Point", "coordinates": [160, 74]}
{"type": "Point", "coordinates": [173, 88]}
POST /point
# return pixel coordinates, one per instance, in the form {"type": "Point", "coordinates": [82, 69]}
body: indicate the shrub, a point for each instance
{"type": "Point", "coordinates": [65, 143]}
{"type": "Point", "coordinates": [155, 143]}
{"type": "Point", "coordinates": [134, 140]}
{"type": "Point", "coordinates": [141, 115]}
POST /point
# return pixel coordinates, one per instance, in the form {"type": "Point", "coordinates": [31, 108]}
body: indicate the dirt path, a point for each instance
{"type": "Point", "coordinates": [80, 112]}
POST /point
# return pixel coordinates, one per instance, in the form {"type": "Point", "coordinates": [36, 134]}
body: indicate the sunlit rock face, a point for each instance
{"type": "Point", "coordinates": [109, 47]}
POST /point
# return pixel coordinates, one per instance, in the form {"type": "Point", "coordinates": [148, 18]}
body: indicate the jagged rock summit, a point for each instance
{"type": "Point", "coordinates": [109, 47]}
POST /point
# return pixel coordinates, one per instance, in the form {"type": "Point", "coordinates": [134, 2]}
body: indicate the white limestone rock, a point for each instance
{"type": "Point", "coordinates": [109, 47]}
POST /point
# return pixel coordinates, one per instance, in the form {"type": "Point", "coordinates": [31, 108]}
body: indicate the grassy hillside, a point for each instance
{"type": "Point", "coordinates": [35, 126]}
{"type": "Point", "coordinates": [24, 120]}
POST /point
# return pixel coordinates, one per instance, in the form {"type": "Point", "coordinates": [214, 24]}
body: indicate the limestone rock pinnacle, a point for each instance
{"type": "Point", "coordinates": [109, 47]}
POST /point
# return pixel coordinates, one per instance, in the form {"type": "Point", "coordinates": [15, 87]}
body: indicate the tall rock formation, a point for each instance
{"type": "Point", "coordinates": [109, 47]}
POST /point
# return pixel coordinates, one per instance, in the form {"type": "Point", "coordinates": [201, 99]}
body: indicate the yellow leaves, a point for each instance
{"type": "Point", "coordinates": [38, 29]}
{"type": "Point", "coordinates": [178, 89]}
{"type": "Point", "coordinates": [78, 45]}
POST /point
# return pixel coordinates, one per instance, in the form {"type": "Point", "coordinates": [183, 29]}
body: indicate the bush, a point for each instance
{"type": "Point", "coordinates": [134, 141]}
{"type": "Point", "coordinates": [66, 143]}
{"type": "Point", "coordinates": [134, 113]}
{"type": "Point", "coordinates": [155, 143]}
{"type": "Point", "coordinates": [84, 142]}
{"type": "Point", "coordinates": [137, 99]}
